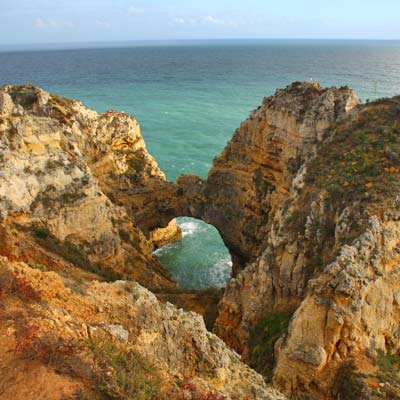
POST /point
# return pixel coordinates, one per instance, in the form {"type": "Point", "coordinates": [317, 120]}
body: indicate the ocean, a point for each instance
{"type": "Point", "coordinates": [190, 96]}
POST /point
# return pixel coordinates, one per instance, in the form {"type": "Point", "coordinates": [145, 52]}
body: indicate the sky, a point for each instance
{"type": "Point", "coordinates": [69, 21]}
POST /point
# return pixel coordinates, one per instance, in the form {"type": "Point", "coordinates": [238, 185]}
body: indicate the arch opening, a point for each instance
{"type": "Point", "coordinates": [200, 260]}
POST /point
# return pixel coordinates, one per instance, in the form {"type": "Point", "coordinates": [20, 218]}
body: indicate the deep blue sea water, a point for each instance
{"type": "Point", "coordinates": [189, 97]}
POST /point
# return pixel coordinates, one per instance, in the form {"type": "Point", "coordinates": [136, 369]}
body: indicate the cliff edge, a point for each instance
{"type": "Point", "coordinates": [306, 198]}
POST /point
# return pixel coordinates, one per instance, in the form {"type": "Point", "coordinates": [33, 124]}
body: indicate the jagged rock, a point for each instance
{"type": "Point", "coordinates": [312, 199]}
{"type": "Point", "coordinates": [292, 192]}
{"type": "Point", "coordinates": [176, 342]}
{"type": "Point", "coordinates": [59, 163]}
{"type": "Point", "coordinates": [117, 331]}
{"type": "Point", "coordinates": [305, 196]}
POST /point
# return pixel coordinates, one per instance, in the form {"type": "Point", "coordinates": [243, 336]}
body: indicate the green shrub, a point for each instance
{"type": "Point", "coordinates": [361, 162]}
{"type": "Point", "coordinates": [41, 232]}
{"type": "Point", "coordinates": [389, 373]}
{"type": "Point", "coordinates": [349, 384]}
{"type": "Point", "coordinates": [262, 341]}
{"type": "Point", "coordinates": [40, 267]}
{"type": "Point", "coordinates": [121, 373]}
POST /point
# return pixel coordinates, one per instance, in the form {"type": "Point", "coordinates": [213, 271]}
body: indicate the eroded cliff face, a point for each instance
{"type": "Point", "coordinates": [65, 173]}
{"type": "Point", "coordinates": [79, 203]}
{"type": "Point", "coordinates": [260, 167]}
{"type": "Point", "coordinates": [305, 196]}
{"type": "Point", "coordinates": [262, 171]}
{"type": "Point", "coordinates": [109, 340]}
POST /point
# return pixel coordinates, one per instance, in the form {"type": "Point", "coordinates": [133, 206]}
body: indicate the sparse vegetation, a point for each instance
{"type": "Point", "coordinates": [73, 254]}
{"type": "Point", "coordinates": [40, 267]}
{"type": "Point", "coordinates": [349, 384]}
{"type": "Point", "coordinates": [362, 161]}
{"type": "Point", "coordinates": [13, 283]}
{"type": "Point", "coordinates": [121, 373]}
{"type": "Point", "coordinates": [41, 232]}
{"type": "Point", "coordinates": [262, 341]}
{"type": "Point", "coordinates": [389, 376]}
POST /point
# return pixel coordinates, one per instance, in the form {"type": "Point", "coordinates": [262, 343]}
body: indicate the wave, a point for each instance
{"type": "Point", "coordinates": [220, 273]}
{"type": "Point", "coordinates": [189, 228]}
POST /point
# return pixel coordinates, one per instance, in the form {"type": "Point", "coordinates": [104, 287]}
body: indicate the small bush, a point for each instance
{"type": "Point", "coordinates": [121, 373]}
{"type": "Point", "coordinates": [25, 338]}
{"type": "Point", "coordinates": [262, 342]}
{"type": "Point", "coordinates": [389, 373]}
{"type": "Point", "coordinates": [41, 232]}
{"type": "Point", "coordinates": [12, 283]}
{"type": "Point", "coordinates": [40, 267]}
{"type": "Point", "coordinates": [62, 355]}
{"type": "Point", "coordinates": [349, 384]}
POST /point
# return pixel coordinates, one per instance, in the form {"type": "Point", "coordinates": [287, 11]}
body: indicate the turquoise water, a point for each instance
{"type": "Point", "coordinates": [194, 267]}
{"type": "Point", "coordinates": [189, 97]}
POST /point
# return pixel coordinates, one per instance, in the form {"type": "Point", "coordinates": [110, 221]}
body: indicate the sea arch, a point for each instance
{"type": "Point", "coordinates": [200, 260]}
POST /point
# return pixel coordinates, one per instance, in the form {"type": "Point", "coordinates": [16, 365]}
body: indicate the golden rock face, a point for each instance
{"type": "Point", "coordinates": [310, 176]}
{"type": "Point", "coordinates": [304, 195]}
{"type": "Point", "coordinates": [54, 326]}
{"type": "Point", "coordinates": [64, 168]}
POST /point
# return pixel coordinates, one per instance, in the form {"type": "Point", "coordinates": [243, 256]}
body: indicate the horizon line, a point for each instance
{"type": "Point", "coordinates": [26, 45]}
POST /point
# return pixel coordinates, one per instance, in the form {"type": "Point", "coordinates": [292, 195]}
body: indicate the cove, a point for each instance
{"type": "Point", "coordinates": [200, 260]}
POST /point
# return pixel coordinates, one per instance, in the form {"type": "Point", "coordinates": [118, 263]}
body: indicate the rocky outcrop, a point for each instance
{"type": "Point", "coordinates": [65, 174]}
{"type": "Point", "coordinates": [79, 197]}
{"type": "Point", "coordinates": [259, 168]}
{"type": "Point", "coordinates": [305, 196]}
{"type": "Point", "coordinates": [350, 310]}
{"type": "Point", "coordinates": [52, 325]}
{"type": "Point", "coordinates": [308, 190]}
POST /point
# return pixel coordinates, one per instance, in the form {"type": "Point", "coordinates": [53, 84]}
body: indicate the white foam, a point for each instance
{"type": "Point", "coordinates": [163, 249]}
{"type": "Point", "coordinates": [189, 228]}
{"type": "Point", "coordinates": [220, 273]}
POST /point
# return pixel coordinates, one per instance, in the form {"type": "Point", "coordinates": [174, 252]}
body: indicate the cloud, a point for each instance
{"type": "Point", "coordinates": [178, 20]}
{"type": "Point", "coordinates": [132, 10]}
{"type": "Point", "coordinates": [41, 23]}
{"type": "Point", "coordinates": [207, 20]}
{"type": "Point", "coordinates": [103, 24]}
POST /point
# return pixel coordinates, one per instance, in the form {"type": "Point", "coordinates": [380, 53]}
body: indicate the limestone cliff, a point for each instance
{"type": "Point", "coordinates": [259, 168]}
{"type": "Point", "coordinates": [263, 168]}
{"type": "Point", "coordinates": [305, 196]}
{"type": "Point", "coordinates": [71, 338]}
{"type": "Point", "coordinates": [64, 173]}
{"type": "Point", "coordinates": [80, 199]}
